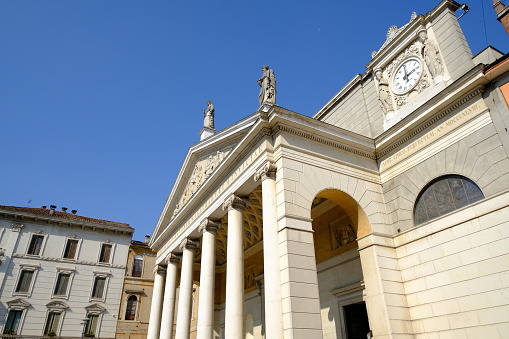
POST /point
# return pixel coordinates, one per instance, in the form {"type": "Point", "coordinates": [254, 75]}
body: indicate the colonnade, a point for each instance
{"type": "Point", "coordinates": [165, 282]}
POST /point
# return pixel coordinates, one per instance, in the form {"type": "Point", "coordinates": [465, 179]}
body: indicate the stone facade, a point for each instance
{"type": "Point", "coordinates": [61, 273]}
{"type": "Point", "coordinates": [386, 212]}
{"type": "Point", "coordinates": [136, 296]}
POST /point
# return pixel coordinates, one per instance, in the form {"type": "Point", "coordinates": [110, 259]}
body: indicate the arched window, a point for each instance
{"type": "Point", "coordinates": [130, 310]}
{"type": "Point", "coordinates": [444, 195]}
{"type": "Point", "coordinates": [137, 266]}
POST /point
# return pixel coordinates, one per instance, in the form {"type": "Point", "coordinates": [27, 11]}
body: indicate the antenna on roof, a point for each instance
{"type": "Point", "coordinates": [29, 201]}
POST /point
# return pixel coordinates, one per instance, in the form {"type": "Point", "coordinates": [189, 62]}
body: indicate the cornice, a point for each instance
{"type": "Point", "coordinates": [77, 262]}
{"type": "Point", "coordinates": [433, 120]}
{"type": "Point", "coordinates": [17, 217]}
{"type": "Point", "coordinates": [287, 129]}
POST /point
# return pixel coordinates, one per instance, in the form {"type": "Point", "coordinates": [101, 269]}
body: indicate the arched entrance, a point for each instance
{"type": "Point", "coordinates": [338, 221]}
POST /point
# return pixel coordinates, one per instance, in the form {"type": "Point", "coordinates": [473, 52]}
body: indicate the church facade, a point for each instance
{"type": "Point", "coordinates": [386, 214]}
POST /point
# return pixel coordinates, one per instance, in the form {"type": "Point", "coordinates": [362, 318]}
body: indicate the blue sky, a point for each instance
{"type": "Point", "coordinates": [100, 100]}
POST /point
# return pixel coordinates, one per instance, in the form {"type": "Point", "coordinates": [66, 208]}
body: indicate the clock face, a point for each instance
{"type": "Point", "coordinates": [407, 75]}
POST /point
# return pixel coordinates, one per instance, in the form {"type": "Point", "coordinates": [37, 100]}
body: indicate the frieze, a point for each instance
{"type": "Point", "coordinates": [430, 122]}
{"type": "Point", "coordinates": [81, 262]}
{"type": "Point", "coordinates": [439, 131]}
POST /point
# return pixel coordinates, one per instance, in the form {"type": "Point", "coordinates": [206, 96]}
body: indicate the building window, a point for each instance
{"type": "Point", "coordinates": [98, 290]}
{"type": "Point", "coordinates": [62, 284]}
{"type": "Point", "coordinates": [104, 256]}
{"type": "Point", "coordinates": [71, 248]}
{"type": "Point", "coordinates": [35, 246]}
{"type": "Point", "coordinates": [91, 326]}
{"type": "Point", "coordinates": [137, 266]}
{"type": "Point", "coordinates": [12, 323]}
{"type": "Point", "coordinates": [130, 312]}
{"type": "Point", "coordinates": [444, 195]}
{"type": "Point", "coordinates": [52, 323]}
{"type": "Point", "coordinates": [24, 281]}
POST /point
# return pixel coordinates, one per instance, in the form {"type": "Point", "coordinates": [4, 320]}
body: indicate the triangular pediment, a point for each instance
{"type": "Point", "coordinates": [18, 304]}
{"type": "Point", "coordinates": [95, 309]}
{"type": "Point", "coordinates": [202, 162]}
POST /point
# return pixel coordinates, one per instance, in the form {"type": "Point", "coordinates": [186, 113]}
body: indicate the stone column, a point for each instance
{"type": "Point", "coordinates": [154, 324]}
{"type": "Point", "coordinates": [170, 291]}
{"type": "Point", "coordinates": [205, 328]}
{"type": "Point", "coordinates": [272, 274]}
{"type": "Point", "coordinates": [234, 313]}
{"type": "Point", "coordinates": [188, 247]}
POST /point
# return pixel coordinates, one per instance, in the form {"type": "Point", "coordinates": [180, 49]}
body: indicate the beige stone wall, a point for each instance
{"type": "Point", "coordinates": [480, 157]}
{"type": "Point", "coordinates": [456, 275]}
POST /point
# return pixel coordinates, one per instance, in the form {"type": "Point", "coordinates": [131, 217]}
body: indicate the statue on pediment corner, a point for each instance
{"type": "Point", "coordinates": [267, 84]}
{"type": "Point", "coordinates": [208, 115]}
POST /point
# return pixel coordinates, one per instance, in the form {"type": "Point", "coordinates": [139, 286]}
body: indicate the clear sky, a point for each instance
{"type": "Point", "coordinates": [100, 100]}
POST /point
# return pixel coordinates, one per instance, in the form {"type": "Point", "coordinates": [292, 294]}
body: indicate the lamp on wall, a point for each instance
{"type": "Point", "coordinates": [465, 8]}
{"type": "Point", "coordinates": [2, 255]}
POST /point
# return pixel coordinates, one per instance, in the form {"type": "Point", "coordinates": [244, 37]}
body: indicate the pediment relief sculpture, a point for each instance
{"type": "Point", "coordinates": [202, 170]}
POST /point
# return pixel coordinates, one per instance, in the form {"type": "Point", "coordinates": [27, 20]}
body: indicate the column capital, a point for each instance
{"type": "Point", "coordinates": [158, 269]}
{"type": "Point", "coordinates": [268, 170]}
{"type": "Point", "coordinates": [189, 244]}
{"type": "Point", "coordinates": [173, 258]}
{"type": "Point", "coordinates": [210, 225]}
{"type": "Point", "coordinates": [235, 202]}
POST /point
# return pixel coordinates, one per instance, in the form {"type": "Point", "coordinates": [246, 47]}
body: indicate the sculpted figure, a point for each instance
{"type": "Point", "coordinates": [268, 86]}
{"type": "Point", "coordinates": [431, 55]}
{"type": "Point", "coordinates": [384, 94]}
{"type": "Point", "coordinates": [208, 115]}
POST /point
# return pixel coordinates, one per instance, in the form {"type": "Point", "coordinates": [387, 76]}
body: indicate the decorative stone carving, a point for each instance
{"type": "Point", "coordinates": [173, 258]}
{"type": "Point", "coordinates": [201, 172]}
{"type": "Point", "coordinates": [384, 94]}
{"type": "Point", "coordinates": [189, 244]}
{"type": "Point", "coordinates": [393, 32]}
{"type": "Point", "coordinates": [235, 202]}
{"type": "Point", "coordinates": [431, 56]}
{"type": "Point", "coordinates": [18, 304]}
{"type": "Point", "coordinates": [267, 171]}
{"type": "Point", "coordinates": [342, 235]}
{"type": "Point", "coordinates": [95, 309]}
{"type": "Point", "coordinates": [57, 306]}
{"type": "Point", "coordinates": [210, 225]}
{"type": "Point", "coordinates": [208, 114]}
{"type": "Point", "coordinates": [267, 83]}
{"type": "Point", "coordinates": [17, 226]}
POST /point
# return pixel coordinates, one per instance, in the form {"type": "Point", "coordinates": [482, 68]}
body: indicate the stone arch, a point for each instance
{"type": "Point", "coordinates": [362, 187]}
{"type": "Point", "coordinates": [362, 225]}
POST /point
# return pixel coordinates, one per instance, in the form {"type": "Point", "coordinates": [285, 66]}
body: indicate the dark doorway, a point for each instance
{"type": "Point", "coordinates": [356, 318]}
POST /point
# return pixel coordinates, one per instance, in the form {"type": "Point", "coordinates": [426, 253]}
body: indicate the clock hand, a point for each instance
{"type": "Point", "coordinates": [406, 73]}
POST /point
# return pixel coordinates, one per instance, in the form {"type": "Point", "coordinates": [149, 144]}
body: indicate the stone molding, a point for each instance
{"type": "Point", "coordinates": [334, 144]}
{"type": "Point", "coordinates": [189, 244]}
{"type": "Point", "coordinates": [235, 202]}
{"type": "Point", "coordinates": [173, 258]}
{"type": "Point", "coordinates": [210, 225]}
{"type": "Point", "coordinates": [267, 171]}
{"type": "Point", "coordinates": [429, 123]}
{"type": "Point", "coordinates": [81, 262]}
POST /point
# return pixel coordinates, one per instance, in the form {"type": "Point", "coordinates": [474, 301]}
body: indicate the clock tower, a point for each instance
{"type": "Point", "coordinates": [418, 61]}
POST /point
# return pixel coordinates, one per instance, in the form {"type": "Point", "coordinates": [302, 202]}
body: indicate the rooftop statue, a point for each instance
{"type": "Point", "coordinates": [208, 114]}
{"type": "Point", "coordinates": [267, 83]}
